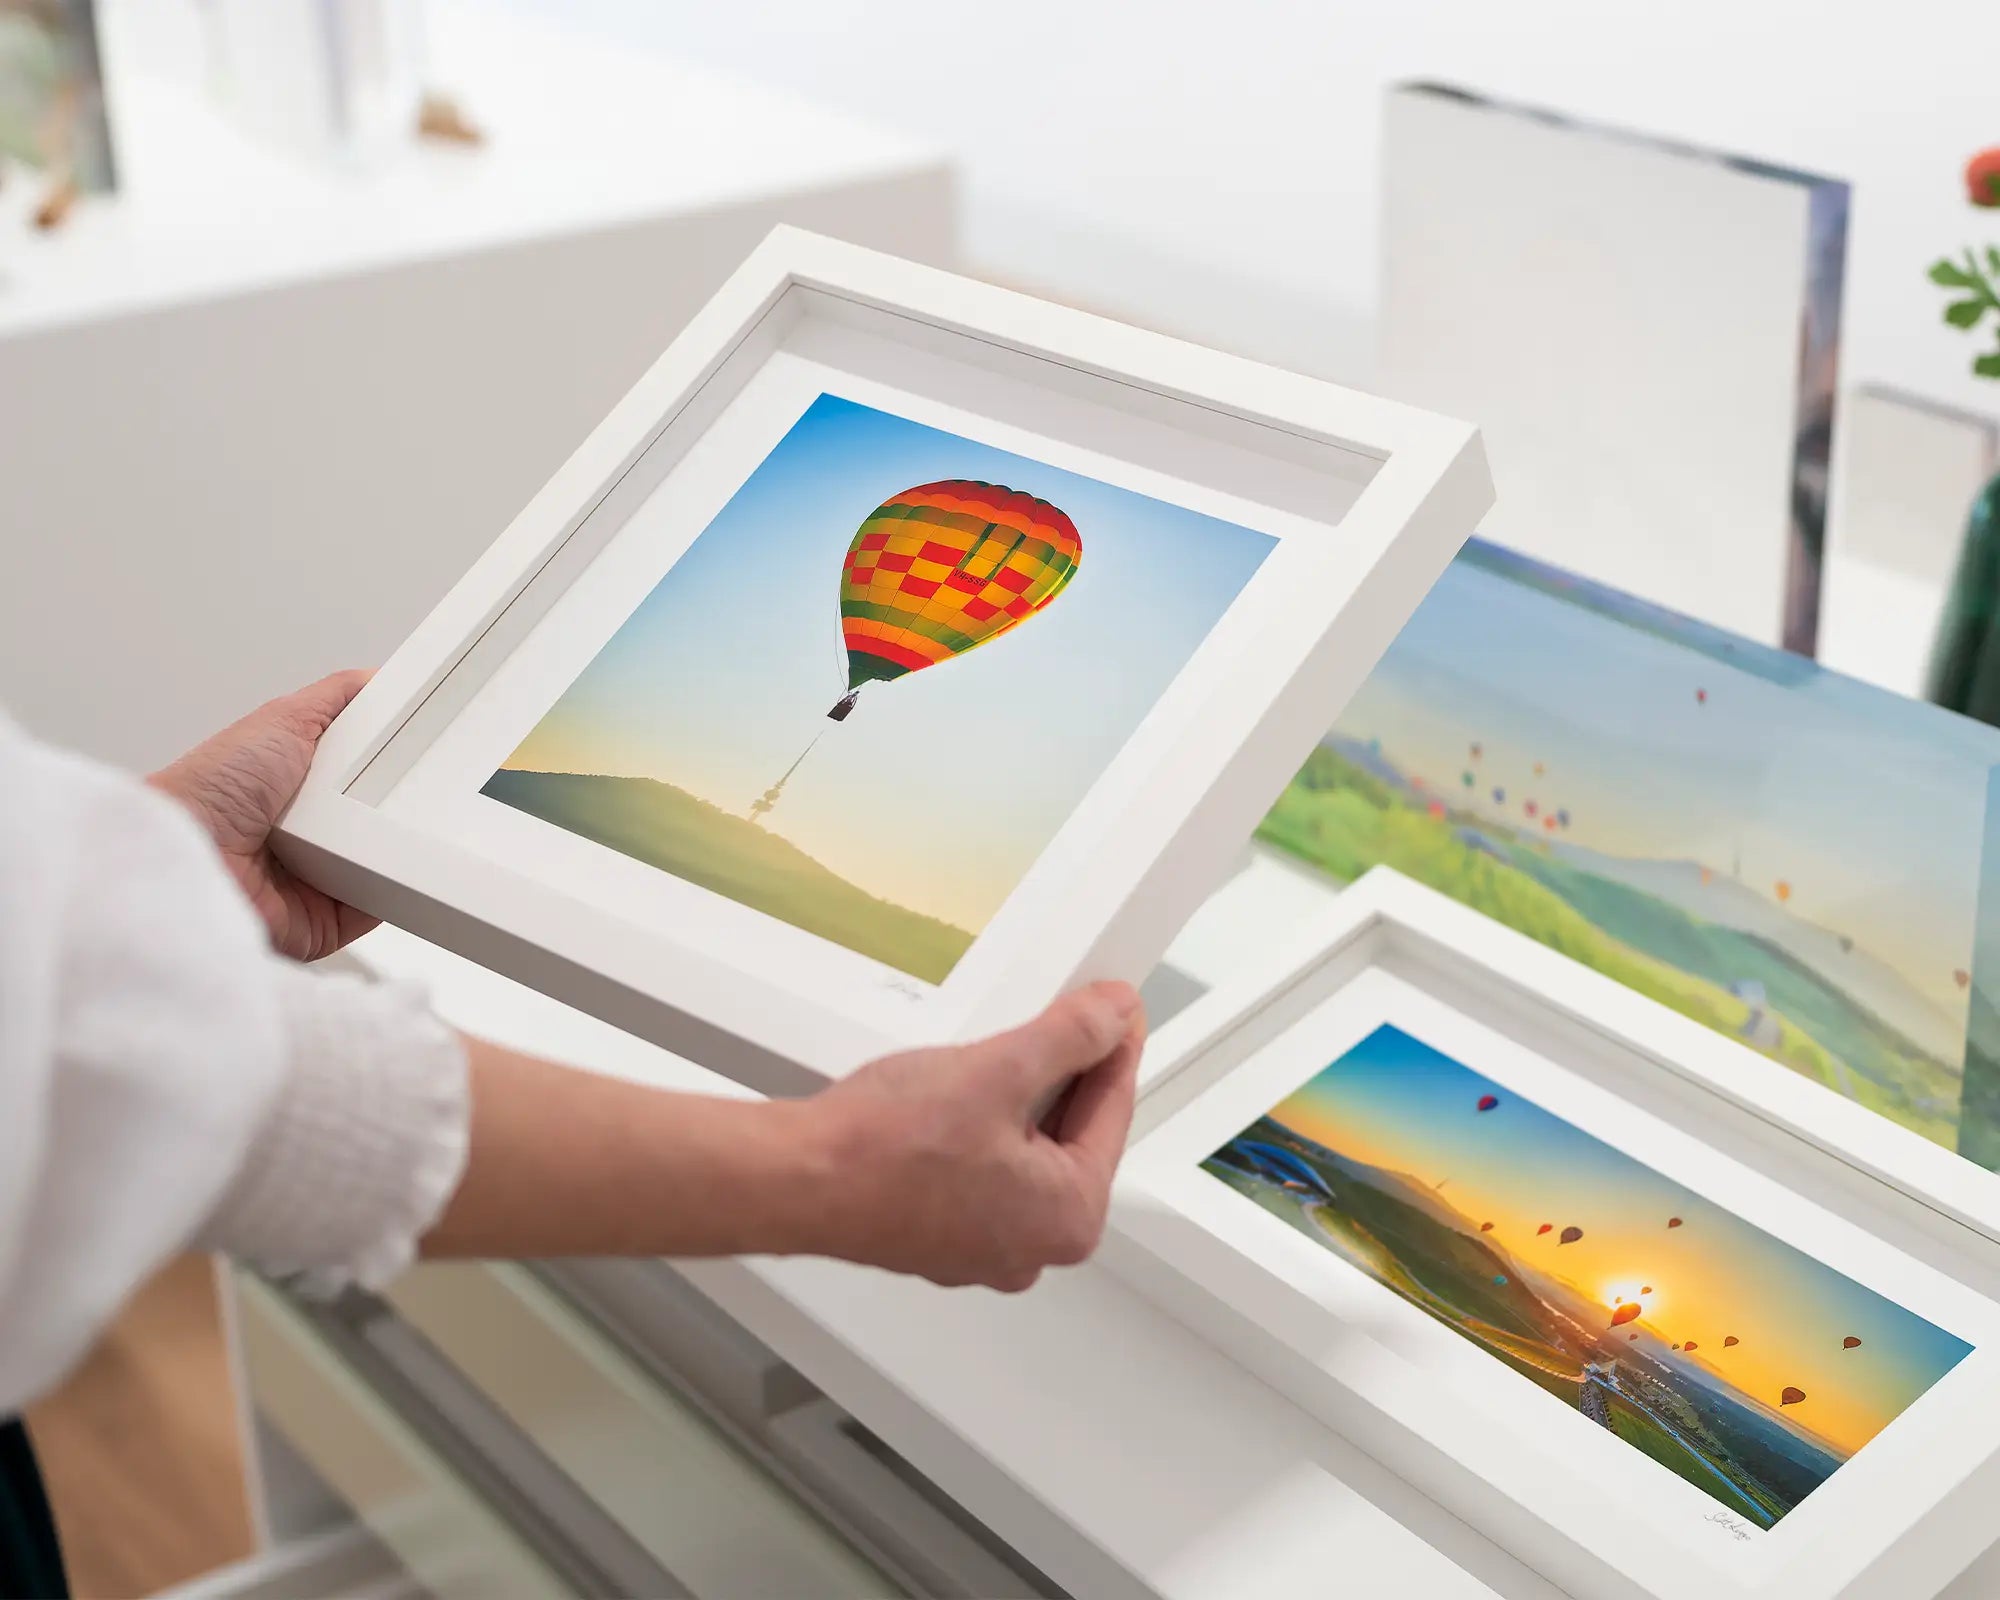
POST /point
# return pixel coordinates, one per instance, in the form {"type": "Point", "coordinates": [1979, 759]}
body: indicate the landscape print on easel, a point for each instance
{"type": "Point", "coordinates": [1731, 1359]}
{"type": "Point", "coordinates": [870, 693]}
{"type": "Point", "coordinates": [1786, 855]}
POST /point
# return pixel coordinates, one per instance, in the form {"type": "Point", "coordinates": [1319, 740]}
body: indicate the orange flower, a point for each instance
{"type": "Point", "coordinates": [1982, 178]}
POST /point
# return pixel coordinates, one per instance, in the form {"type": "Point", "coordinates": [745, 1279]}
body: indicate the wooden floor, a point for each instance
{"type": "Point", "coordinates": [140, 1446]}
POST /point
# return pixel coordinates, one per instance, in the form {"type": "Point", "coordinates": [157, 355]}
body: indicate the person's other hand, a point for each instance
{"type": "Point", "coordinates": [238, 784]}
{"type": "Point", "coordinates": [937, 1166]}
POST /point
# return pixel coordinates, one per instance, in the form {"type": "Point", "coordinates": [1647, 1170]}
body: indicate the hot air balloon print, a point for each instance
{"type": "Point", "coordinates": [935, 572]}
{"type": "Point", "coordinates": [942, 569]}
{"type": "Point", "coordinates": [1570, 1236]}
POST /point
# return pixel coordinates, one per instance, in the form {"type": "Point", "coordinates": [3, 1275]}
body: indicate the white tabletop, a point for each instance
{"type": "Point", "coordinates": [1115, 1450]}
{"type": "Point", "coordinates": [583, 135]}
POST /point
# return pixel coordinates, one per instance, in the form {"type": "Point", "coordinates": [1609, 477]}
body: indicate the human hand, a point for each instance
{"type": "Point", "coordinates": [935, 1164]}
{"type": "Point", "coordinates": [239, 782]}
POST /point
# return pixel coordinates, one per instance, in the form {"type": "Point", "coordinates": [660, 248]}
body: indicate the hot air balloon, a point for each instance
{"type": "Point", "coordinates": [942, 569]}
{"type": "Point", "coordinates": [1677, 1347]}
{"type": "Point", "coordinates": [1690, 1345]}
{"type": "Point", "coordinates": [1791, 1397]}
{"type": "Point", "coordinates": [1701, 697]}
{"type": "Point", "coordinates": [1647, 1290]}
{"type": "Point", "coordinates": [1499, 797]}
{"type": "Point", "coordinates": [1707, 876]}
{"type": "Point", "coordinates": [1544, 1228]}
{"type": "Point", "coordinates": [1625, 1313]}
{"type": "Point", "coordinates": [1961, 977]}
{"type": "Point", "coordinates": [1783, 890]}
{"type": "Point", "coordinates": [1631, 1336]}
{"type": "Point", "coordinates": [1488, 1101]}
{"type": "Point", "coordinates": [1478, 750]}
{"type": "Point", "coordinates": [1562, 817]}
{"type": "Point", "coordinates": [1549, 823]}
{"type": "Point", "coordinates": [1673, 1222]}
{"type": "Point", "coordinates": [1730, 1340]}
{"type": "Point", "coordinates": [1436, 808]}
{"type": "Point", "coordinates": [1529, 808]}
{"type": "Point", "coordinates": [1466, 778]}
{"type": "Point", "coordinates": [1846, 945]}
{"type": "Point", "coordinates": [1850, 1343]}
{"type": "Point", "coordinates": [1570, 1236]}
{"type": "Point", "coordinates": [1540, 769]}
{"type": "Point", "coordinates": [1417, 784]}
{"type": "Point", "coordinates": [1486, 1227]}
{"type": "Point", "coordinates": [1500, 1281]}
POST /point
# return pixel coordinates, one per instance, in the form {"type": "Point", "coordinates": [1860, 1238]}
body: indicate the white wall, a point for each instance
{"type": "Point", "coordinates": [1211, 166]}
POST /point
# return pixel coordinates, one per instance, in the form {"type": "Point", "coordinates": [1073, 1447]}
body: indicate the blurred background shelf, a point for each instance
{"type": "Point", "coordinates": [286, 405]}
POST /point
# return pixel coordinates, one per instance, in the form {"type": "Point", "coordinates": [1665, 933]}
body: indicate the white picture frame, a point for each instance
{"type": "Point", "coordinates": [1901, 1518]}
{"type": "Point", "coordinates": [1361, 501]}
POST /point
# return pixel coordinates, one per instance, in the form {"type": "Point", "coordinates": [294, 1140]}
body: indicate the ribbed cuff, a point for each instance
{"type": "Point", "coordinates": [365, 1145]}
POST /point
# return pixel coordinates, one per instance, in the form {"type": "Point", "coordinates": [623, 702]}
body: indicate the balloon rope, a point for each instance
{"type": "Point", "coordinates": [840, 671]}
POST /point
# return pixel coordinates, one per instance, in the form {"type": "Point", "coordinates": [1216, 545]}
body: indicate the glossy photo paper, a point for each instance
{"type": "Point", "coordinates": [878, 683]}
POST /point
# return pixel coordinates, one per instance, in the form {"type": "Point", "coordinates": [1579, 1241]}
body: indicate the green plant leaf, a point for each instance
{"type": "Point", "coordinates": [1952, 276]}
{"type": "Point", "coordinates": [1993, 258]}
{"type": "Point", "coordinates": [1964, 313]}
{"type": "Point", "coordinates": [1987, 366]}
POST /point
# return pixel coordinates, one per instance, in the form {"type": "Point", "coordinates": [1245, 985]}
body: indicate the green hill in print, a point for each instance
{"type": "Point", "coordinates": [669, 828]}
{"type": "Point", "coordinates": [1350, 809]}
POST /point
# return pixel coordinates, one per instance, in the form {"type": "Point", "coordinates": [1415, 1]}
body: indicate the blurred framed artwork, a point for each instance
{"type": "Point", "coordinates": [1649, 333]}
{"type": "Point", "coordinates": [899, 653]}
{"type": "Point", "coordinates": [52, 107]}
{"type": "Point", "coordinates": [1798, 860]}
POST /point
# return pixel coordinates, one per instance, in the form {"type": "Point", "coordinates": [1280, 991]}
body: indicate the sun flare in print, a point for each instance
{"type": "Point", "coordinates": [1742, 1365]}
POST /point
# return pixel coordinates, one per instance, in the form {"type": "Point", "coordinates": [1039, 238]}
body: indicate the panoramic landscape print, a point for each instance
{"type": "Point", "coordinates": [1725, 1355]}
{"type": "Point", "coordinates": [1794, 858]}
{"type": "Point", "coordinates": [875, 687]}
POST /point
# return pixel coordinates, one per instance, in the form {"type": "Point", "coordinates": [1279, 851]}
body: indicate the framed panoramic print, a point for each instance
{"type": "Point", "coordinates": [900, 652]}
{"type": "Point", "coordinates": [1489, 1215]}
